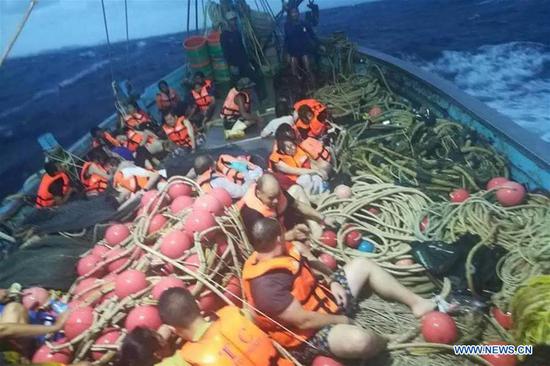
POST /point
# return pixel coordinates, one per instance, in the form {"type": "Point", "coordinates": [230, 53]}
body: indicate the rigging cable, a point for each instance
{"type": "Point", "coordinates": [19, 29]}
{"type": "Point", "coordinates": [188, 16]}
{"type": "Point", "coordinates": [108, 41]}
{"type": "Point", "coordinates": [197, 16]}
{"type": "Point", "coordinates": [127, 37]}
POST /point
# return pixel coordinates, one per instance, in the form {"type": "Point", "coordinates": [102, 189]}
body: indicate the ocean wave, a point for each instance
{"type": "Point", "coordinates": [512, 78]}
{"type": "Point", "coordinates": [87, 71]}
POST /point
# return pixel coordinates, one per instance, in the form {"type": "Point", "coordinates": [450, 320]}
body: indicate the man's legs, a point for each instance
{"type": "Point", "coordinates": [353, 342]}
{"type": "Point", "coordinates": [14, 313]}
{"type": "Point", "coordinates": [361, 272]}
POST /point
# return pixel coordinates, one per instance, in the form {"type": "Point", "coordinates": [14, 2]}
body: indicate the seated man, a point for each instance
{"type": "Point", "coordinates": [283, 116]}
{"type": "Point", "coordinates": [135, 117]}
{"type": "Point", "coordinates": [228, 339]}
{"type": "Point", "coordinates": [55, 187]}
{"type": "Point", "coordinates": [94, 174]}
{"type": "Point", "coordinates": [311, 120]}
{"type": "Point", "coordinates": [208, 177]}
{"type": "Point", "coordinates": [144, 145]}
{"type": "Point", "coordinates": [180, 131]}
{"type": "Point", "coordinates": [168, 99]}
{"type": "Point", "coordinates": [278, 281]}
{"type": "Point", "coordinates": [266, 199]}
{"type": "Point", "coordinates": [237, 110]}
{"type": "Point", "coordinates": [315, 149]}
{"type": "Point", "coordinates": [202, 93]}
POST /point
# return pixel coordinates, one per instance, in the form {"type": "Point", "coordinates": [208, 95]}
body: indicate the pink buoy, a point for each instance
{"type": "Point", "coordinates": [375, 111]}
{"type": "Point", "coordinates": [208, 203]}
{"type": "Point", "coordinates": [325, 361]}
{"type": "Point", "coordinates": [329, 238]}
{"type": "Point", "coordinates": [496, 182]}
{"type": "Point", "coordinates": [424, 224]}
{"type": "Point", "coordinates": [100, 250]}
{"type": "Point", "coordinates": [87, 264]}
{"type": "Point", "coordinates": [459, 195]}
{"type": "Point", "coordinates": [146, 316]}
{"type": "Point", "coordinates": [221, 241]}
{"type": "Point", "coordinates": [199, 221]}
{"type": "Point", "coordinates": [178, 190]}
{"type": "Point", "coordinates": [157, 222]}
{"type": "Point", "coordinates": [439, 327]}
{"type": "Point", "coordinates": [353, 238]}
{"type": "Point", "coordinates": [181, 203]}
{"type": "Point", "coordinates": [404, 262]}
{"type": "Point", "coordinates": [116, 234]}
{"type": "Point", "coordinates": [343, 192]}
{"type": "Point", "coordinates": [164, 284]}
{"type": "Point", "coordinates": [108, 337]}
{"type": "Point", "coordinates": [223, 196]}
{"type": "Point", "coordinates": [107, 296]}
{"type": "Point", "coordinates": [80, 320]}
{"type": "Point", "coordinates": [503, 318]}
{"type": "Point", "coordinates": [35, 297]}
{"type": "Point", "coordinates": [130, 282]}
{"type": "Point", "coordinates": [118, 263]}
{"type": "Point", "coordinates": [374, 210]}
{"type": "Point", "coordinates": [328, 260]}
{"type": "Point", "coordinates": [175, 244]}
{"type": "Point", "coordinates": [151, 197]}
{"type": "Point", "coordinates": [510, 194]}
{"type": "Point", "coordinates": [192, 262]}
{"type": "Point", "coordinates": [45, 355]}
{"type": "Point", "coordinates": [84, 287]}
{"type": "Point", "coordinates": [233, 291]}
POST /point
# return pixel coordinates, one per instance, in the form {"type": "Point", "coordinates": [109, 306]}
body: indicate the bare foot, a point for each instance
{"type": "Point", "coordinates": [422, 307]}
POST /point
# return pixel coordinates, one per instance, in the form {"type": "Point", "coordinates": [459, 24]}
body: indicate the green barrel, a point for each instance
{"type": "Point", "coordinates": [221, 70]}
{"type": "Point", "coordinates": [196, 49]}
{"type": "Point", "coordinates": [205, 68]}
{"type": "Point", "coordinates": [214, 45]}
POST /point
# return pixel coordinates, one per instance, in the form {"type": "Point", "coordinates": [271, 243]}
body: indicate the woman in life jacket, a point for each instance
{"type": "Point", "coordinates": [54, 188]}
{"type": "Point", "coordinates": [168, 99]}
{"type": "Point", "coordinates": [94, 174]}
{"type": "Point", "coordinates": [314, 148]}
{"type": "Point", "coordinates": [237, 112]}
{"type": "Point", "coordinates": [134, 117]}
{"type": "Point", "coordinates": [179, 131]}
{"type": "Point", "coordinates": [204, 101]}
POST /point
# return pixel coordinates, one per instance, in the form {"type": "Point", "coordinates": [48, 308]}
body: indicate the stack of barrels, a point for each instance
{"type": "Point", "coordinates": [205, 54]}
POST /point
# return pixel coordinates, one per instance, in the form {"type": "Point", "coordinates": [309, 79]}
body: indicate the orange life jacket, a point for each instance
{"type": "Point", "coordinates": [135, 119]}
{"type": "Point", "coordinates": [223, 165]}
{"type": "Point", "coordinates": [203, 98]}
{"type": "Point", "coordinates": [230, 109]}
{"type": "Point", "coordinates": [314, 128]}
{"type": "Point", "coordinates": [306, 289]}
{"type": "Point", "coordinates": [253, 202]}
{"type": "Point", "coordinates": [204, 180]}
{"type": "Point", "coordinates": [93, 183]}
{"type": "Point", "coordinates": [167, 101]}
{"type": "Point", "coordinates": [179, 133]}
{"type": "Point", "coordinates": [106, 137]}
{"type": "Point", "coordinates": [232, 340]}
{"type": "Point", "coordinates": [133, 183]}
{"type": "Point", "coordinates": [315, 149]}
{"type": "Point", "coordinates": [43, 196]}
{"type": "Point", "coordinates": [134, 140]}
{"type": "Point", "coordinates": [299, 160]}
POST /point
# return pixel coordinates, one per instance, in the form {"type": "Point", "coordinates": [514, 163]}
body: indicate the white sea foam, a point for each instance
{"type": "Point", "coordinates": [508, 77]}
{"type": "Point", "coordinates": [87, 71]}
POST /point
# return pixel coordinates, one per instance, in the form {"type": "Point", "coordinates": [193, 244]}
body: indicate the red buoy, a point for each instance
{"type": "Point", "coordinates": [510, 194]}
{"type": "Point", "coordinates": [35, 297]}
{"type": "Point", "coordinates": [108, 337]}
{"type": "Point", "coordinates": [151, 197]}
{"type": "Point", "coordinates": [233, 291]}
{"type": "Point", "coordinates": [175, 244]}
{"type": "Point", "coordinates": [325, 361]}
{"type": "Point", "coordinates": [157, 222]}
{"type": "Point", "coordinates": [208, 203]}
{"type": "Point", "coordinates": [221, 242]}
{"type": "Point", "coordinates": [328, 260]}
{"type": "Point", "coordinates": [178, 190]}
{"type": "Point", "coordinates": [223, 196]}
{"type": "Point", "coordinates": [343, 192]}
{"type": "Point", "coordinates": [86, 289]}
{"type": "Point", "coordinates": [87, 264]}
{"type": "Point", "coordinates": [146, 316]}
{"type": "Point", "coordinates": [80, 320]}
{"type": "Point", "coordinates": [353, 238]}
{"type": "Point", "coordinates": [116, 264]}
{"type": "Point", "coordinates": [192, 262]}
{"type": "Point", "coordinates": [199, 221]}
{"type": "Point", "coordinates": [501, 359]}
{"type": "Point", "coordinates": [496, 182]}
{"type": "Point", "coordinates": [424, 224]}
{"type": "Point", "coordinates": [404, 262]}
{"type": "Point", "coordinates": [45, 355]}
{"type": "Point", "coordinates": [209, 302]}
{"type": "Point", "coordinates": [181, 203]}
{"type": "Point", "coordinates": [459, 195]}
{"type": "Point", "coordinates": [100, 250]}
{"type": "Point", "coordinates": [164, 284]}
{"type": "Point", "coordinates": [439, 327]}
{"type": "Point", "coordinates": [130, 282]}
{"type": "Point", "coordinates": [374, 210]}
{"type": "Point", "coordinates": [329, 238]}
{"type": "Point", "coordinates": [375, 111]}
{"type": "Point", "coordinates": [116, 234]}
{"type": "Point", "coordinates": [502, 318]}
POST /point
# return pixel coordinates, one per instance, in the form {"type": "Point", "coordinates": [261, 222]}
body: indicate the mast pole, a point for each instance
{"type": "Point", "coordinates": [19, 30]}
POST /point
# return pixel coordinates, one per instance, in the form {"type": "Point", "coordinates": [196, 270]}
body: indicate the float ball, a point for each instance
{"type": "Point", "coordinates": [175, 244]}
{"type": "Point", "coordinates": [223, 196]}
{"type": "Point", "coordinates": [496, 182]}
{"type": "Point", "coordinates": [325, 361]}
{"type": "Point", "coordinates": [116, 264]}
{"type": "Point", "coordinates": [459, 195]}
{"type": "Point", "coordinates": [164, 284]}
{"type": "Point", "coordinates": [404, 262]}
{"type": "Point", "coordinates": [45, 355]}
{"type": "Point", "coordinates": [80, 320]}
{"type": "Point", "coordinates": [353, 238]}
{"type": "Point", "coordinates": [100, 250]}
{"type": "Point", "coordinates": [328, 260]}
{"type": "Point", "coordinates": [424, 224]}
{"type": "Point", "coordinates": [343, 192]}
{"type": "Point", "coordinates": [502, 359]}
{"type": "Point", "coordinates": [199, 221]}
{"type": "Point", "coordinates": [375, 111]}
{"type": "Point", "coordinates": [157, 223]}
{"type": "Point", "coordinates": [146, 316]}
{"type": "Point", "coordinates": [510, 194]}
{"type": "Point", "coordinates": [366, 246]}
{"type": "Point", "coordinates": [438, 327]}
{"type": "Point", "coordinates": [208, 203]}
{"type": "Point", "coordinates": [329, 238]}
{"type": "Point", "coordinates": [130, 282]}
{"type": "Point", "coordinates": [116, 234]}
{"type": "Point", "coordinates": [502, 318]}
{"type": "Point", "coordinates": [179, 190]}
{"type": "Point", "coordinates": [108, 337]}
{"type": "Point", "coordinates": [181, 203]}
{"type": "Point", "coordinates": [35, 297]}
{"type": "Point", "coordinates": [87, 264]}
{"type": "Point", "coordinates": [192, 262]}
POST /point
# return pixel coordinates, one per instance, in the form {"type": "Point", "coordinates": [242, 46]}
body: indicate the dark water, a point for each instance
{"type": "Point", "coordinates": [498, 51]}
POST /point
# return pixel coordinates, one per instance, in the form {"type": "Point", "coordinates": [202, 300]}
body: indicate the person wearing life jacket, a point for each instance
{"type": "Point", "coordinates": [129, 178]}
{"type": "Point", "coordinates": [311, 316]}
{"type": "Point", "coordinates": [135, 117]}
{"type": "Point", "coordinates": [289, 207]}
{"type": "Point", "coordinates": [315, 149]}
{"type": "Point", "coordinates": [168, 99]}
{"type": "Point", "coordinates": [202, 94]}
{"type": "Point", "coordinates": [103, 138]}
{"type": "Point", "coordinates": [208, 177]}
{"type": "Point", "coordinates": [94, 174]}
{"type": "Point", "coordinates": [148, 347]}
{"type": "Point", "coordinates": [54, 188]}
{"type": "Point", "coordinates": [308, 123]}
{"type": "Point", "coordinates": [283, 116]}
{"type": "Point", "coordinates": [237, 112]}
{"type": "Point", "coordinates": [227, 338]}
{"type": "Point", "coordinates": [236, 169]}
{"type": "Point", "coordinates": [180, 131]}
{"type": "Point", "coordinates": [144, 145]}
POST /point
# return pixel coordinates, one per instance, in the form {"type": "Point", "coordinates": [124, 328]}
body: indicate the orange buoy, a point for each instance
{"type": "Point", "coordinates": [108, 337]}
{"type": "Point", "coordinates": [325, 361]}
{"type": "Point", "coordinates": [116, 234]}
{"type": "Point", "coordinates": [35, 297]}
{"type": "Point", "coordinates": [500, 359]}
{"type": "Point", "coordinates": [157, 222]}
{"type": "Point", "coordinates": [175, 244]}
{"type": "Point", "coordinates": [328, 260]}
{"type": "Point", "coordinates": [179, 190]}
{"type": "Point", "coordinates": [192, 262]}
{"type": "Point", "coordinates": [181, 203]}
{"type": "Point", "coordinates": [502, 318]}
{"type": "Point", "coordinates": [80, 320]}
{"type": "Point", "coordinates": [146, 316]}
{"type": "Point", "coordinates": [116, 264]}
{"type": "Point", "coordinates": [164, 284]}
{"type": "Point", "coordinates": [199, 221]}
{"type": "Point", "coordinates": [45, 354]}
{"type": "Point", "coordinates": [375, 111]}
{"type": "Point", "coordinates": [87, 264]}
{"type": "Point", "coordinates": [353, 238]}
{"type": "Point", "coordinates": [510, 194]}
{"type": "Point", "coordinates": [329, 238]}
{"type": "Point", "coordinates": [223, 196]}
{"type": "Point", "coordinates": [459, 195]}
{"type": "Point", "coordinates": [439, 327]}
{"type": "Point", "coordinates": [343, 192]}
{"type": "Point", "coordinates": [130, 282]}
{"type": "Point", "coordinates": [496, 182]}
{"type": "Point", "coordinates": [208, 203]}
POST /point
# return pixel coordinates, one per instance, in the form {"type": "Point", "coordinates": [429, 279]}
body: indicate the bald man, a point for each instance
{"type": "Point", "coordinates": [266, 199]}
